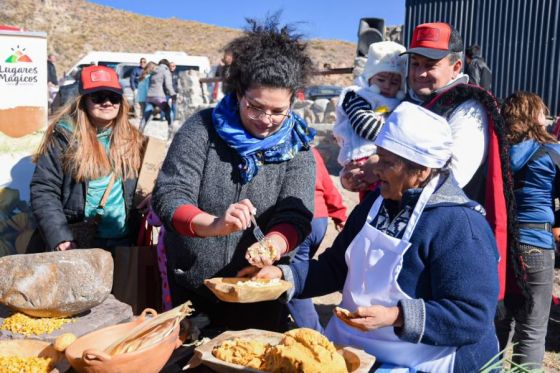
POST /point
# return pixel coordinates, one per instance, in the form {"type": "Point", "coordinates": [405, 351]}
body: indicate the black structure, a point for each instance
{"type": "Point", "coordinates": [520, 40]}
{"type": "Point", "coordinates": [370, 30]}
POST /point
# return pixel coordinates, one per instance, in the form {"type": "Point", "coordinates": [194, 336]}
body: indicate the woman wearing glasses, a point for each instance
{"type": "Point", "coordinates": [90, 150]}
{"type": "Point", "coordinates": [248, 156]}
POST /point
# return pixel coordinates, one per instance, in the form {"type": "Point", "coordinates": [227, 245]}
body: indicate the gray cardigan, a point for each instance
{"type": "Point", "coordinates": [161, 82]}
{"type": "Point", "coordinates": [202, 170]}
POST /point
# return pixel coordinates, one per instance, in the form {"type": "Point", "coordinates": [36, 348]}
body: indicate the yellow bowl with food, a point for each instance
{"type": "Point", "coordinates": [30, 355]}
{"type": "Point", "coordinates": [246, 290]}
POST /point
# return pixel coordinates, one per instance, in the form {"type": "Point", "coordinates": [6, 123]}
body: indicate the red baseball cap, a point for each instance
{"type": "Point", "coordinates": [435, 40]}
{"type": "Point", "coordinates": [99, 78]}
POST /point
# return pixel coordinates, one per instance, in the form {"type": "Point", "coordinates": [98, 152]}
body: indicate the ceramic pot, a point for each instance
{"type": "Point", "coordinates": [86, 353]}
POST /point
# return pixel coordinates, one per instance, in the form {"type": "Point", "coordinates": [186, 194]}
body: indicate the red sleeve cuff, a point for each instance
{"type": "Point", "coordinates": [182, 220]}
{"type": "Point", "coordinates": [288, 232]}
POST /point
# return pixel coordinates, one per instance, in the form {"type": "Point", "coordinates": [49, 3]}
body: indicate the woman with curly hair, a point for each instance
{"type": "Point", "coordinates": [535, 156]}
{"type": "Point", "coordinates": [90, 150]}
{"type": "Point", "coordinates": [250, 155]}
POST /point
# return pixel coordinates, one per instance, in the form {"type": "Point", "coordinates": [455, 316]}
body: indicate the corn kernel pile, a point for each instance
{"type": "Point", "coordinates": [17, 364]}
{"type": "Point", "coordinates": [23, 324]}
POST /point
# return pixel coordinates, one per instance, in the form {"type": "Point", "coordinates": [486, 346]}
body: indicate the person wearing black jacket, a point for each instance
{"type": "Point", "coordinates": [52, 79]}
{"type": "Point", "coordinates": [86, 145]}
{"type": "Point", "coordinates": [51, 70]}
{"type": "Point", "coordinates": [476, 68]}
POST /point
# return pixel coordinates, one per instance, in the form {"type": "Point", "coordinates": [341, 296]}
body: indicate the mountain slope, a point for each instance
{"type": "Point", "coordinates": [75, 27]}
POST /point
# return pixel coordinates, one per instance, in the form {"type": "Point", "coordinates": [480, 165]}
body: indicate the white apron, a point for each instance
{"type": "Point", "coordinates": [374, 262]}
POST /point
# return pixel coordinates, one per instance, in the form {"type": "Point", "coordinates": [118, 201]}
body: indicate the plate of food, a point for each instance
{"type": "Point", "coordinates": [245, 289]}
{"type": "Point", "coordinates": [302, 350]}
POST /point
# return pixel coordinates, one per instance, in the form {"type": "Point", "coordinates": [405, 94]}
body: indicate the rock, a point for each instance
{"type": "Point", "coordinates": [330, 111]}
{"type": "Point", "coordinates": [56, 284]}
{"type": "Point", "coordinates": [319, 107]}
{"type": "Point", "coordinates": [301, 104]}
{"type": "Point", "coordinates": [190, 94]}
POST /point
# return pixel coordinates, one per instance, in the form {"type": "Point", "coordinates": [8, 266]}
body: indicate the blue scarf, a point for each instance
{"type": "Point", "coordinates": [281, 146]}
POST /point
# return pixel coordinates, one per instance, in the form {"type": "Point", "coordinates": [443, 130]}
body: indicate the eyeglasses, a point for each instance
{"type": "Point", "coordinates": [102, 96]}
{"type": "Point", "coordinates": [259, 114]}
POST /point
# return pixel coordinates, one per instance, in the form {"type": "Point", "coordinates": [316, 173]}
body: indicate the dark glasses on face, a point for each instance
{"type": "Point", "coordinates": [102, 97]}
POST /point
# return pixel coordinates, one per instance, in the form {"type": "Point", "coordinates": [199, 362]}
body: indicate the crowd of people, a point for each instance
{"type": "Point", "coordinates": [448, 257]}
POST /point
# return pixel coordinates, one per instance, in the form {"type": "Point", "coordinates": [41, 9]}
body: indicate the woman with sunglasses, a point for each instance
{"type": "Point", "coordinates": [89, 149]}
{"type": "Point", "coordinates": [250, 155]}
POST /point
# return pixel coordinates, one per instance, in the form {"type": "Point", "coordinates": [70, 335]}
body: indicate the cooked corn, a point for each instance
{"type": "Point", "coordinates": [17, 364]}
{"type": "Point", "coordinates": [23, 324]}
{"type": "Point", "coordinates": [259, 284]}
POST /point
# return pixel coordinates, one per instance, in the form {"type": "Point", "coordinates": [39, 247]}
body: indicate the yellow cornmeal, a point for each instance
{"type": "Point", "coordinates": [17, 364]}
{"type": "Point", "coordinates": [23, 324]}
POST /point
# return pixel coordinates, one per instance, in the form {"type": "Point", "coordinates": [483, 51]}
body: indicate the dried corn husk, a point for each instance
{"type": "Point", "coordinates": [150, 331]}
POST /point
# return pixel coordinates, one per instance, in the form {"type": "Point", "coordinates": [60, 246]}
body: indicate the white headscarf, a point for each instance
{"type": "Point", "coordinates": [418, 135]}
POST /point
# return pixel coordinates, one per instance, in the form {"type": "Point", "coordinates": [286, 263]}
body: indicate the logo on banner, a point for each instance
{"type": "Point", "coordinates": [18, 56]}
{"type": "Point", "coordinates": [15, 74]}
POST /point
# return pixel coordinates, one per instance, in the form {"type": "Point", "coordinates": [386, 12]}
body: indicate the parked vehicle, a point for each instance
{"type": "Point", "coordinates": [321, 91]}
{"type": "Point", "coordinates": [113, 59]}
{"type": "Point", "coordinates": [123, 63]}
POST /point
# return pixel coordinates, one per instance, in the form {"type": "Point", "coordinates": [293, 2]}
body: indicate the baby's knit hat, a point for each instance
{"type": "Point", "coordinates": [384, 56]}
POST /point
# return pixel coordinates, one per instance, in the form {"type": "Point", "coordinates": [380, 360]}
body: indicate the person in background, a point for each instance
{"type": "Point", "coordinates": [175, 82]}
{"type": "Point", "coordinates": [89, 148]}
{"type": "Point", "coordinates": [250, 155]}
{"type": "Point", "coordinates": [535, 158]}
{"type": "Point", "coordinates": [142, 91]}
{"type": "Point", "coordinates": [476, 68]}
{"type": "Point", "coordinates": [134, 80]}
{"type": "Point", "coordinates": [161, 87]}
{"type": "Point", "coordinates": [361, 111]}
{"type": "Point", "coordinates": [52, 79]}
{"type": "Point", "coordinates": [328, 203]}
{"type": "Point", "coordinates": [221, 88]}
{"type": "Point", "coordinates": [416, 261]}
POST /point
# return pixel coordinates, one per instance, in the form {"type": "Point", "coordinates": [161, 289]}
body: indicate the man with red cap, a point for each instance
{"type": "Point", "coordinates": [480, 161]}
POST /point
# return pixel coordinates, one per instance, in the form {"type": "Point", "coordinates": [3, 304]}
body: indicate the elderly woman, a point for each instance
{"type": "Point", "coordinates": [250, 155]}
{"type": "Point", "coordinates": [416, 261]}
{"type": "Point", "coordinates": [87, 168]}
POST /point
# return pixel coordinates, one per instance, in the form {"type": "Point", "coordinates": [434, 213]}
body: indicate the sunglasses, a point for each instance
{"type": "Point", "coordinates": [102, 97]}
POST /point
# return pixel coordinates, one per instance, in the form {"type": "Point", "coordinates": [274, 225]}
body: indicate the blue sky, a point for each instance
{"type": "Point", "coordinates": [322, 19]}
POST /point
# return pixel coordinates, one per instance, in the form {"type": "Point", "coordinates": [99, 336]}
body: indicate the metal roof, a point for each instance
{"type": "Point", "coordinates": [519, 40]}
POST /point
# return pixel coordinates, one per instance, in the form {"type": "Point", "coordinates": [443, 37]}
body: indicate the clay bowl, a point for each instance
{"type": "Point", "coordinates": [30, 348]}
{"type": "Point", "coordinates": [86, 353]}
{"type": "Point", "coordinates": [228, 289]}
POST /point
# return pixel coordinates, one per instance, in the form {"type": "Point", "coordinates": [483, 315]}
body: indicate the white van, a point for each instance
{"type": "Point", "coordinates": [112, 59]}
{"type": "Point", "coordinates": [123, 63]}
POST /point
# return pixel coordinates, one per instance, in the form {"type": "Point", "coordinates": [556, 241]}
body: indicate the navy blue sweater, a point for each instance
{"type": "Point", "coordinates": [450, 272]}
